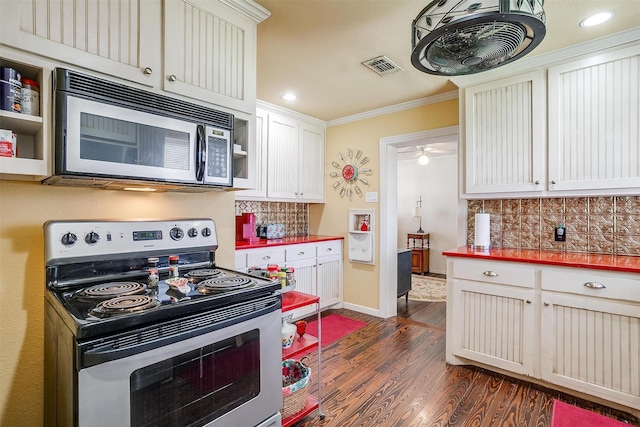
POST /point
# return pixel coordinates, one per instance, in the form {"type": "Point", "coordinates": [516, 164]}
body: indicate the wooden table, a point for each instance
{"type": "Point", "coordinates": [419, 245]}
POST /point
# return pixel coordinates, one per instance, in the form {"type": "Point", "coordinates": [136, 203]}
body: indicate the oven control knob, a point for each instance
{"type": "Point", "coordinates": [92, 238]}
{"type": "Point", "coordinates": [192, 232]}
{"type": "Point", "coordinates": [68, 239]}
{"type": "Point", "coordinates": [176, 233]}
{"type": "Point", "coordinates": [206, 232]}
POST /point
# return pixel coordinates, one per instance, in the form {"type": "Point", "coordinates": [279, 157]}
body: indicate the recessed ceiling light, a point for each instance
{"type": "Point", "coordinates": [289, 96]}
{"type": "Point", "coordinates": [596, 19]}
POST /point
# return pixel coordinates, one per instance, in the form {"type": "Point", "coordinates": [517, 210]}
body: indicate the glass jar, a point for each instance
{"type": "Point", "coordinates": [173, 266]}
{"type": "Point", "coordinates": [153, 278]}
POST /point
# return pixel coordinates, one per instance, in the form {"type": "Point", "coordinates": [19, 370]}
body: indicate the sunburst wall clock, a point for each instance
{"type": "Point", "coordinates": [350, 173]}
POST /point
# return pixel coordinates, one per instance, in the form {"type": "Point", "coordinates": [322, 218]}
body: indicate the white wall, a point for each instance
{"type": "Point", "coordinates": [437, 183]}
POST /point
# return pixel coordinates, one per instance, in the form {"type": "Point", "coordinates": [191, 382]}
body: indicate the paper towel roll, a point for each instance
{"type": "Point", "coordinates": [482, 231]}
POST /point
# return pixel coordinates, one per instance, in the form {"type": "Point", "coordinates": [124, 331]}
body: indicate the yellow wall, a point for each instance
{"type": "Point", "coordinates": [361, 283]}
{"type": "Point", "coordinates": [24, 207]}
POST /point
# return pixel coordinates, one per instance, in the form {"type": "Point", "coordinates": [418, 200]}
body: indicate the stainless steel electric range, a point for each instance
{"type": "Point", "coordinates": [129, 344]}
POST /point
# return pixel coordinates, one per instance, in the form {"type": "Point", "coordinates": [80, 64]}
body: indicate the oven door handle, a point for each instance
{"type": "Point", "coordinates": [201, 152]}
{"type": "Point", "coordinates": [140, 341]}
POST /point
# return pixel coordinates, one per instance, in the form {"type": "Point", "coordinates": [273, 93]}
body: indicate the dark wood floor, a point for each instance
{"type": "Point", "coordinates": [393, 373]}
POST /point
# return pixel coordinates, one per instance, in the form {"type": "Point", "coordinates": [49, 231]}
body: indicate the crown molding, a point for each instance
{"type": "Point", "coordinates": [290, 113]}
{"type": "Point", "coordinates": [447, 96]}
{"type": "Point", "coordinates": [551, 58]}
{"type": "Point", "coordinates": [249, 8]}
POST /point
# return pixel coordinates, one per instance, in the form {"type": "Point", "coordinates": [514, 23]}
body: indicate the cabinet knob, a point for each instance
{"type": "Point", "coordinates": [489, 273]}
{"type": "Point", "coordinates": [301, 253]}
{"type": "Point", "coordinates": [537, 182]}
{"type": "Point", "coordinates": [148, 71]}
{"type": "Point", "coordinates": [594, 285]}
{"type": "Point", "coordinates": [329, 249]}
{"type": "Point", "coordinates": [546, 304]}
{"type": "Point", "coordinates": [528, 301]}
{"type": "Point", "coordinates": [266, 257]}
{"type": "Point", "coordinates": [172, 78]}
{"type": "Point", "coordinates": [553, 181]}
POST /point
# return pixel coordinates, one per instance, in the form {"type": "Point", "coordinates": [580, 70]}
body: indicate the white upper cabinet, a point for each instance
{"type": "Point", "coordinates": [118, 38]}
{"type": "Point", "coordinates": [210, 52]}
{"type": "Point", "coordinates": [567, 126]}
{"type": "Point", "coordinates": [290, 157]}
{"type": "Point", "coordinates": [594, 107]}
{"type": "Point", "coordinates": [295, 160]}
{"type": "Point", "coordinates": [505, 138]}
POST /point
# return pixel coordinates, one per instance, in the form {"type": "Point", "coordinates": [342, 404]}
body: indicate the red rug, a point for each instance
{"type": "Point", "coordinates": [334, 327]}
{"type": "Point", "coordinates": [565, 415]}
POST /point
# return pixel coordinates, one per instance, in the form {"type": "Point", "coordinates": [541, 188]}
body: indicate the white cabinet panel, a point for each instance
{"type": "Point", "coordinates": [258, 190]}
{"type": "Point", "coordinates": [210, 53]}
{"type": "Point", "coordinates": [282, 143]}
{"type": "Point", "coordinates": [330, 280]}
{"type": "Point", "coordinates": [494, 325]}
{"type": "Point", "coordinates": [592, 346]}
{"type": "Point", "coordinates": [118, 38]}
{"type": "Point", "coordinates": [594, 105]}
{"type": "Point", "coordinates": [504, 128]}
{"type": "Point", "coordinates": [311, 163]}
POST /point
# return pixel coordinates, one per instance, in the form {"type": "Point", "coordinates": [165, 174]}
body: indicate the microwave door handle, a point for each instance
{"type": "Point", "coordinates": [201, 153]}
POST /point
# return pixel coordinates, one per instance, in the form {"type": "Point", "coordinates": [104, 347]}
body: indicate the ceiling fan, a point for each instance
{"type": "Point", "coordinates": [457, 37]}
{"type": "Point", "coordinates": [423, 153]}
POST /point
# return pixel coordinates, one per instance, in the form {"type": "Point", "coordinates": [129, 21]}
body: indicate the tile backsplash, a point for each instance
{"type": "Point", "coordinates": [600, 225]}
{"type": "Point", "coordinates": [294, 216]}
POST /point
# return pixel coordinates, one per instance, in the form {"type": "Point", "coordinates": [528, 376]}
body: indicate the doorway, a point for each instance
{"type": "Point", "coordinates": [391, 150]}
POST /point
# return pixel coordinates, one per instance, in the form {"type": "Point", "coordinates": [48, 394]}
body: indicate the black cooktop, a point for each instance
{"type": "Point", "coordinates": [87, 316]}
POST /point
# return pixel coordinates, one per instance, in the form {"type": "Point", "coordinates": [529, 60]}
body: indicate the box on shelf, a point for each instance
{"type": "Point", "coordinates": [8, 143]}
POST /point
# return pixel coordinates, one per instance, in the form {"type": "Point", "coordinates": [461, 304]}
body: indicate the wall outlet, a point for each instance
{"type": "Point", "coordinates": [560, 233]}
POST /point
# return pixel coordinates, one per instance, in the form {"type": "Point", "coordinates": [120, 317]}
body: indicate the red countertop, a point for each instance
{"type": "Point", "coordinates": [264, 243]}
{"type": "Point", "coordinates": [568, 259]}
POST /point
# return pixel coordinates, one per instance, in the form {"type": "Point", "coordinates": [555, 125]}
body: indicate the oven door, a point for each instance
{"type": "Point", "coordinates": [105, 140]}
{"type": "Point", "coordinates": [228, 376]}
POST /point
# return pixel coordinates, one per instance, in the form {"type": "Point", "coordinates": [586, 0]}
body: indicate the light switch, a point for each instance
{"type": "Point", "coordinates": [371, 197]}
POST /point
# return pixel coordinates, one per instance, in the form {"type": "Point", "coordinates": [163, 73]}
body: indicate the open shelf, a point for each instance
{"type": "Point", "coordinates": [290, 301]}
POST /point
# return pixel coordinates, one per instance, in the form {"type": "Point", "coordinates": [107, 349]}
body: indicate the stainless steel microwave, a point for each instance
{"type": "Point", "coordinates": [110, 135]}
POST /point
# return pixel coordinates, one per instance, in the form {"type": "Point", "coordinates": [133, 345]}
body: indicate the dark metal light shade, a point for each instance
{"type": "Point", "coordinates": [453, 37]}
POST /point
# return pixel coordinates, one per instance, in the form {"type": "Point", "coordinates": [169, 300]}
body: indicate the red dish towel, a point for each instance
{"type": "Point", "coordinates": [565, 415]}
{"type": "Point", "coordinates": [334, 327]}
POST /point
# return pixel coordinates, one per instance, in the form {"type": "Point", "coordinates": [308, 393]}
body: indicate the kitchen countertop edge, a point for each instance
{"type": "Point", "coordinates": [622, 263]}
{"type": "Point", "coordinates": [294, 240]}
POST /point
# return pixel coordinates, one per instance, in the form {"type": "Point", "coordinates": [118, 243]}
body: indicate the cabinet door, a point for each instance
{"type": "Point", "coordinates": [244, 150]}
{"type": "Point", "coordinates": [311, 161]}
{"type": "Point", "coordinates": [494, 325]}
{"type": "Point", "coordinates": [118, 38]}
{"type": "Point", "coordinates": [592, 346]}
{"type": "Point", "coordinates": [282, 147]}
{"type": "Point", "coordinates": [594, 105]}
{"type": "Point", "coordinates": [305, 272]}
{"type": "Point", "coordinates": [505, 135]}
{"type": "Point", "coordinates": [330, 280]}
{"type": "Point", "coordinates": [259, 191]}
{"type": "Point", "coordinates": [210, 53]}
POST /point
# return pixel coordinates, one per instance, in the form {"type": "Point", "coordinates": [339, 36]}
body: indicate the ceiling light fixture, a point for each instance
{"type": "Point", "coordinates": [596, 19]}
{"type": "Point", "coordinates": [141, 189]}
{"type": "Point", "coordinates": [423, 159]}
{"type": "Point", "coordinates": [289, 96]}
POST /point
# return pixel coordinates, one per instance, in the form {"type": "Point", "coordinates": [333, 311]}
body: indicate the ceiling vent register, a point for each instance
{"type": "Point", "coordinates": [382, 65]}
{"type": "Point", "coordinates": [453, 37]}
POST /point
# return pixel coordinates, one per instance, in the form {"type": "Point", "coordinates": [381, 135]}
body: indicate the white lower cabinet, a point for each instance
{"type": "Point", "coordinates": [495, 325]}
{"type": "Point", "coordinates": [318, 269]}
{"type": "Point", "coordinates": [590, 328]}
{"type": "Point", "coordinates": [575, 328]}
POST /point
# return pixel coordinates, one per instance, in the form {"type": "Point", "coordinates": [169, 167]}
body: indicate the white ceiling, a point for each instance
{"type": "Point", "coordinates": [315, 48]}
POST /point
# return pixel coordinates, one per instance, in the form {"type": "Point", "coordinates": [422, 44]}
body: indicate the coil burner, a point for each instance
{"type": "Point", "coordinates": [222, 284]}
{"type": "Point", "coordinates": [206, 273]}
{"type": "Point", "coordinates": [124, 305]}
{"type": "Point", "coordinates": [111, 290]}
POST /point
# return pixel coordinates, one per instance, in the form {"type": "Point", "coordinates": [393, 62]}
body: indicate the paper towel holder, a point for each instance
{"type": "Point", "coordinates": [482, 232]}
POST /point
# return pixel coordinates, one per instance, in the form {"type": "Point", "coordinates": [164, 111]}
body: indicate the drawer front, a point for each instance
{"type": "Point", "coordinates": [333, 247]}
{"type": "Point", "coordinates": [495, 272]}
{"type": "Point", "coordinates": [299, 252]}
{"type": "Point", "coordinates": [262, 257]}
{"type": "Point", "coordinates": [594, 283]}
{"type": "Point", "coordinates": [241, 260]}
